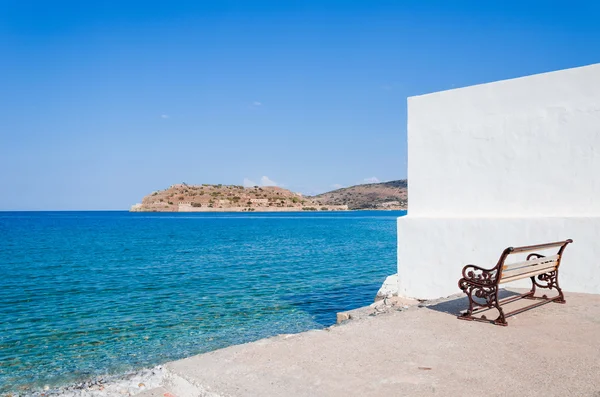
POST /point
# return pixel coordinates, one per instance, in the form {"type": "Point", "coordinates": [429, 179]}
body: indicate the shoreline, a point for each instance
{"type": "Point", "coordinates": [407, 348]}
{"type": "Point", "coordinates": [134, 382]}
{"type": "Point", "coordinates": [129, 383]}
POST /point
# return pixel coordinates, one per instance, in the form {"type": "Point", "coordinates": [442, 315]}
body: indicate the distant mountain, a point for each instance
{"type": "Point", "coordinates": [386, 195]}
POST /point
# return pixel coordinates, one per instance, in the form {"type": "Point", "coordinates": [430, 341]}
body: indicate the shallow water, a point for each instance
{"type": "Point", "coordinates": [89, 293]}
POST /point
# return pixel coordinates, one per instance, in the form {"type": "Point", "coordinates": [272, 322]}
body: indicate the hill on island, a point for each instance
{"type": "Point", "coordinates": [228, 198]}
{"type": "Point", "coordinates": [385, 195]}
{"type": "Point", "coordinates": [233, 198]}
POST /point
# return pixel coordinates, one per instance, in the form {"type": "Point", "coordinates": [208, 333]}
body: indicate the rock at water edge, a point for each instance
{"type": "Point", "coordinates": [389, 288]}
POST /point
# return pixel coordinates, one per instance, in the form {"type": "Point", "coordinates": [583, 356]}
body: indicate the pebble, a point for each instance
{"type": "Point", "coordinates": [106, 386]}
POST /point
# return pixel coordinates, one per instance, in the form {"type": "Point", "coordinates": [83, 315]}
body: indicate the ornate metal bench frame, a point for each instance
{"type": "Point", "coordinates": [484, 283]}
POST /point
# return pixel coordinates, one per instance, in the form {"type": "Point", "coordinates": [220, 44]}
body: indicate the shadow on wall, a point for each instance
{"type": "Point", "coordinates": [455, 306]}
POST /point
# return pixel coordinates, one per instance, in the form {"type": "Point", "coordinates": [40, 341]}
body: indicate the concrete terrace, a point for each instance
{"type": "Point", "coordinates": [553, 350]}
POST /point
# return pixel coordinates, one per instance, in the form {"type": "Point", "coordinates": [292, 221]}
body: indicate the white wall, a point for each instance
{"type": "Point", "coordinates": [524, 146]}
{"type": "Point", "coordinates": [432, 251]}
{"type": "Point", "coordinates": [509, 163]}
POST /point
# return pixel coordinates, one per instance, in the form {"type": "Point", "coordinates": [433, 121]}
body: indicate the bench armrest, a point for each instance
{"type": "Point", "coordinates": [477, 276]}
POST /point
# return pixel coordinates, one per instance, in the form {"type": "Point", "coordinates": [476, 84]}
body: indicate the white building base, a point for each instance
{"type": "Point", "coordinates": [432, 251]}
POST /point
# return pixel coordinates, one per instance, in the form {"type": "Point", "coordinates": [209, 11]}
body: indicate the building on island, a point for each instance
{"type": "Point", "coordinates": [259, 201]}
{"type": "Point", "coordinates": [509, 163]}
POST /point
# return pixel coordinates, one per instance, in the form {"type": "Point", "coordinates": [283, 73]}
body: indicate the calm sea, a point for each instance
{"type": "Point", "coordinates": [90, 293]}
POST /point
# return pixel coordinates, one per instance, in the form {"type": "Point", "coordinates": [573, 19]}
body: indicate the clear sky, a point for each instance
{"type": "Point", "coordinates": [102, 102]}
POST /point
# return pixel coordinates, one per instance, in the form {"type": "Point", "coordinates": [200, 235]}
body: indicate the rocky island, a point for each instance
{"type": "Point", "coordinates": [234, 198]}
{"type": "Point", "coordinates": [229, 198]}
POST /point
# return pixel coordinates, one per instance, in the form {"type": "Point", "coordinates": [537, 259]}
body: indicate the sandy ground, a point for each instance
{"type": "Point", "coordinates": [553, 350]}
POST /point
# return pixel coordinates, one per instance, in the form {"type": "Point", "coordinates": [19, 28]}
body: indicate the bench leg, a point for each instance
{"type": "Point", "coordinates": [501, 320]}
{"type": "Point", "coordinates": [487, 293]}
{"type": "Point", "coordinates": [469, 313]}
{"type": "Point", "coordinates": [531, 293]}
{"type": "Point", "coordinates": [492, 301]}
{"type": "Point", "coordinates": [549, 281]}
{"type": "Point", "coordinates": [560, 293]}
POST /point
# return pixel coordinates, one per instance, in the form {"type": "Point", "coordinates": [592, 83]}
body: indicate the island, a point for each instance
{"type": "Point", "coordinates": [234, 198]}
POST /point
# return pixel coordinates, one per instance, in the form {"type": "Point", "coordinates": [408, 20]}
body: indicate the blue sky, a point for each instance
{"type": "Point", "coordinates": [103, 102]}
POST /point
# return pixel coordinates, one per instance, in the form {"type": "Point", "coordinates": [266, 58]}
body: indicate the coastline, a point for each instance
{"type": "Point", "coordinates": [358, 356]}
{"type": "Point", "coordinates": [135, 382]}
{"type": "Point", "coordinates": [407, 348]}
{"type": "Point", "coordinates": [116, 385]}
{"type": "Point", "coordinates": [138, 334]}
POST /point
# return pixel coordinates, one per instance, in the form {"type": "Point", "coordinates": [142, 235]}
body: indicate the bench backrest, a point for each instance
{"type": "Point", "coordinates": [535, 263]}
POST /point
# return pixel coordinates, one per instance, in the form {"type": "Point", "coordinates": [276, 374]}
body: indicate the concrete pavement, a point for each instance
{"type": "Point", "coordinates": [553, 350]}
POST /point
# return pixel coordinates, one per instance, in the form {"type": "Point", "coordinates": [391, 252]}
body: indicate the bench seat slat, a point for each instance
{"type": "Point", "coordinates": [544, 268]}
{"type": "Point", "coordinates": [532, 262]}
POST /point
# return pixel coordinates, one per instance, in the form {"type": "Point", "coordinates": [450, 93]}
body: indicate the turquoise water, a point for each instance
{"type": "Point", "coordinates": [90, 293]}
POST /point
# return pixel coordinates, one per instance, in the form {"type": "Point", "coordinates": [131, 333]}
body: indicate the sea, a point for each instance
{"type": "Point", "coordinates": [84, 294]}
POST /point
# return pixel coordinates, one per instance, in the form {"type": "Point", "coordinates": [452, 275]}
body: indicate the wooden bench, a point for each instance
{"type": "Point", "coordinates": [484, 284]}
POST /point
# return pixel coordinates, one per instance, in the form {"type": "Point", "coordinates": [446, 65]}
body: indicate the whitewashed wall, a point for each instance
{"type": "Point", "coordinates": [509, 163]}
